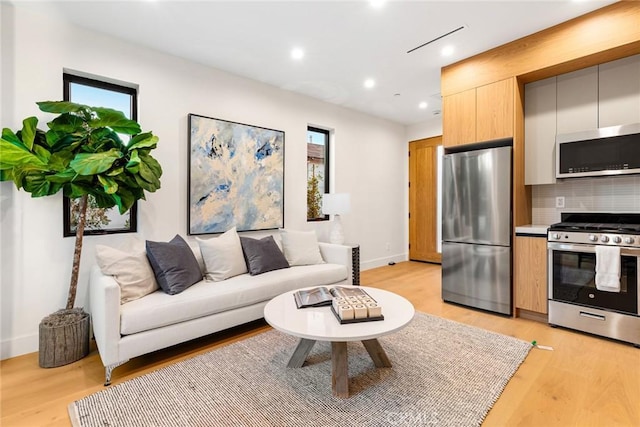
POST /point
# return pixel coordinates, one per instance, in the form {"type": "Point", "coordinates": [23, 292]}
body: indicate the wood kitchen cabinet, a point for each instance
{"type": "Point", "coordinates": [540, 132]}
{"type": "Point", "coordinates": [577, 101]}
{"type": "Point", "coordinates": [530, 274]}
{"type": "Point", "coordinates": [459, 118]}
{"type": "Point", "coordinates": [494, 110]}
{"type": "Point", "coordinates": [480, 114]}
{"type": "Point", "coordinates": [619, 92]}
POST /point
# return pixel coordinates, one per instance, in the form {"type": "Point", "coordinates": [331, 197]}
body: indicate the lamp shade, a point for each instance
{"type": "Point", "coordinates": [335, 203]}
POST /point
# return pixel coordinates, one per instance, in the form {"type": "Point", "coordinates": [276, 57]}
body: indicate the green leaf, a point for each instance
{"type": "Point", "coordinates": [133, 165]}
{"type": "Point", "coordinates": [61, 107]}
{"type": "Point", "coordinates": [103, 139]}
{"type": "Point", "coordinates": [143, 140]}
{"type": "Point", "coordinates": [12, 155]}
{"type": "Point", "coordinates": [94, 163]}
{"type": "Point", "coordinates": [109, 184]}
{"type": "Point", "coordinates": [29, 126]}
{"type": "Point", "coordinates": [69, 142]}
{"type": "Point", "coordinates": [62, 177]}
{"type": "Point", "coordinates": [127, 199]}
{"type": "Point", "coordinates": [144, 184]}
{"type": "Point", "coordinates": [42, 153]}
{"type": "Point", "coordinates": [115, 171]}
{"type": "Point", "coordinates": [35, 181]}
{"type": "Point", "coordinates": [60, 161]}
{"type": "Point", "coordinates": [6, 175]}
{"type": "Point", "coordinates": [9, 136]}
{"type": "Point", "coordinates": [103, 200]}
{"type": "Point", "coordinates": [116, 120]}
{"type": "Point", "coordinates": [150, 169]}
{"type": "Point", "coordinates": [67, 123]}
{"type": "Point", "coordinates": [75, 190]}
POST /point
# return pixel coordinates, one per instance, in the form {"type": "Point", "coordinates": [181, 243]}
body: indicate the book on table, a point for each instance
{"type": "Point", "coordinates": [322, 295]}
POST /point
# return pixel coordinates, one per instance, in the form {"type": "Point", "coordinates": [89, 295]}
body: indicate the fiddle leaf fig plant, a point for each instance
{"type": "Point", "coordinates": [81, 154]}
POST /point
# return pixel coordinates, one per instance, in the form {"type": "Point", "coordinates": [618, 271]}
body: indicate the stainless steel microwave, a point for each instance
{"type": "Point", "coordinates": [607, 151]}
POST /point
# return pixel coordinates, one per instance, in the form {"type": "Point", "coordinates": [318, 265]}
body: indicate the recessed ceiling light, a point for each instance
{"type": "Point", "coordinates": [369, 83]}
{"type": "Point", "coordinates": [377, 3]}
{"type": "Point", "coordinates": [297, 53]}
{"type": "Point", "coordinates": [423, 105]}
{"type": "Point", "coordinates": [447, 50]}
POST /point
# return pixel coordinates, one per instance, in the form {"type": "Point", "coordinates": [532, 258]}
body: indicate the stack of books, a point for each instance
{"type": "Point", "coordinates": [348, 304]}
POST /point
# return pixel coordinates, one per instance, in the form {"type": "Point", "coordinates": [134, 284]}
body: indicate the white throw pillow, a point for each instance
{"type": "Point", "coordinates": [222, 255]}
{"type": "Point", "coordinates": [131, 269]}
{"type": "Point", "coordinates": [301, 247]}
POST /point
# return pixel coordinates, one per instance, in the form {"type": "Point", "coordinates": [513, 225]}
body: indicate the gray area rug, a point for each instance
{"type": "Point", "coordinates": [444, 374]}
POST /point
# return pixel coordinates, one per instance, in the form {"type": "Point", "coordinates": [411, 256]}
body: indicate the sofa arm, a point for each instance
{"type": "Point", "coordinates": [104, 305]}
{"type": "Point", "coordinates": [338, 254]}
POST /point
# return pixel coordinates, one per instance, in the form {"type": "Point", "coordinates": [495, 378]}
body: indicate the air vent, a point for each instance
{"type": "Point", "coordinates": [460, 28]}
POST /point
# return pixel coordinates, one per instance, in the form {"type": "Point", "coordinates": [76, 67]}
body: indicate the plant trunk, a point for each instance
{"type": "Point", "coordinates": [73, 285]}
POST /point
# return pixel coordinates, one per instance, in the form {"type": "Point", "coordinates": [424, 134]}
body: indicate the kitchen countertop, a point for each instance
{"type": "Point", "coordinates": [538, 230]}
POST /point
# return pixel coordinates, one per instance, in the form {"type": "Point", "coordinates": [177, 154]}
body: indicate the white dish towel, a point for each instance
{"type": "Point", "coordinates": [608, 268]}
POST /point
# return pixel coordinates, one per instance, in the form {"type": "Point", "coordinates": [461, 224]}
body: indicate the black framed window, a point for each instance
{"type": "Point", "coordinates": [99, 93]}
{"type": "Point", "coordinates": [317, 171]}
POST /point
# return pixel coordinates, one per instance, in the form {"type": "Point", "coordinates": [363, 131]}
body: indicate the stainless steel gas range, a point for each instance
{"type": "Point", "coordinates": [579, 246]}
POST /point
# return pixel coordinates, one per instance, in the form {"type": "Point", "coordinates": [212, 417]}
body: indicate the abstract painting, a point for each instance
{"type": "Point", "coordinates": [236, 176]}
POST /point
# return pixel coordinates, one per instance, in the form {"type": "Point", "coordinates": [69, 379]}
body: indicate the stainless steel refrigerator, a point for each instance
{"type": "Point", "coordinates": [476, 229]}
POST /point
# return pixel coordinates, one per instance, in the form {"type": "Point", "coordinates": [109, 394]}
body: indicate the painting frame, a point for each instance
{"type": "Point", "coordinates": [235, 176]}
{"type": "Point", "coordinates": [130, 219]}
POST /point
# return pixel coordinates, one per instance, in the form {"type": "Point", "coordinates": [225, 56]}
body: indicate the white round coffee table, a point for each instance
{"type": "Point", "coordinates": [313, 324]}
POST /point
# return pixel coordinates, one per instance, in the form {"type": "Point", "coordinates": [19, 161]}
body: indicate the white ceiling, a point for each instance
{"type": "Point", "coordinates": [344, 41]}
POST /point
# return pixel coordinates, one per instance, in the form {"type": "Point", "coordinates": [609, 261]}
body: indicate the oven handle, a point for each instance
{"type": "Point", "coordinates": [592, 316]}
{"type": "Point", "coordinates": [591, 249]}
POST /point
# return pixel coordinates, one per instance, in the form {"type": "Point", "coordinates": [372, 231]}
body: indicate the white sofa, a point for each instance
{"type": "Point", "coordinates": [159, 320]}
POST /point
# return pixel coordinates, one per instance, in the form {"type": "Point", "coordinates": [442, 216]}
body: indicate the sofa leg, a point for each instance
{"type": "Point", "coordinates": [108, 370]}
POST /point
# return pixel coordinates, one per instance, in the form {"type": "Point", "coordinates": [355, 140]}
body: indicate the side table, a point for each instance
{"type": "Point", "coordinates": [355, 262]}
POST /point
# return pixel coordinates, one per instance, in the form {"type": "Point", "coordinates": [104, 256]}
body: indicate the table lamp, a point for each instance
{"type": "Point", "coordinates": [336, 204]}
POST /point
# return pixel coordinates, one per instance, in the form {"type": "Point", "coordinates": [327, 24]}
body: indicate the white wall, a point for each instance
{"type": "Point", "coordinates": [425, 129]}
{"type": "Point", "coordinates": [370, 159]}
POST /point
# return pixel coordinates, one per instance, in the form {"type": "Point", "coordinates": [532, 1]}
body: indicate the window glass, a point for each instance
{"type": "Point", "coordinates": [97, 93]}
{"type": "Point", "coordinates": [317, 171]}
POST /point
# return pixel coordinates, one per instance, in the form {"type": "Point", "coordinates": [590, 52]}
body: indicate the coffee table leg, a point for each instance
{"type": "Point", "coordinates": [377, 353]}
{"type": "Point", "coordinates": [300, 353]}
{"type": "Point", "coordinates": [339, 369]}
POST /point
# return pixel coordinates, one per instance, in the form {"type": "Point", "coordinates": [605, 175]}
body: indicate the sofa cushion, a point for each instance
{"type": "Point", "coordinates": [205, 298]}
{"type": "Point", "coordinates": [130, 269]}
{"type": "Point", "coordinates": [174, 265]}
{"type": "Point", "coordinates": [222, 255]}
{"type": "Point", "coordinates": [262, 255]}
{"type": "Point", "coordinates": [301, 247]}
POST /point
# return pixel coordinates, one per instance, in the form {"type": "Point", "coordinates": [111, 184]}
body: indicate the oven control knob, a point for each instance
{"type": "Point", "coordinates": [593, 237]}
{"type": "Point", "coordinates": [556, 236]}
{"type": "Point", "coordinates": [617, 239]}
{"type": "Point", "coordinates": [628, 240]}
{"type": "Point", "coordinates": [604, 239]}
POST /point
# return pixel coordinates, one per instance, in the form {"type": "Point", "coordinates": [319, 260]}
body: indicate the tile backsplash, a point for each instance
{"type": "Point", "coordinates": [617, 194]}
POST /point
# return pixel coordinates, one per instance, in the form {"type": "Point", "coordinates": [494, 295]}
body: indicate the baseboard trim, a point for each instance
{"type": "Point", "coordinates": [532, 315]}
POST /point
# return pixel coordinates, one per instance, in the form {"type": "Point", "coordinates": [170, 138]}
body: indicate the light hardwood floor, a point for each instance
{"type": "Point", "coordinates": [584, 381]}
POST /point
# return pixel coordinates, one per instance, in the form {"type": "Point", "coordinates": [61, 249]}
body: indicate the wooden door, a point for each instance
{"type": "Point", "coordinates": [423, 193]}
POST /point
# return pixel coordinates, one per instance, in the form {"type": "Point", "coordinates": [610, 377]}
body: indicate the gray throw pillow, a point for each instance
{"type": "Point", "coordinates": [262, 255]}
{"type": "Point", "coordinates": [174, 265]}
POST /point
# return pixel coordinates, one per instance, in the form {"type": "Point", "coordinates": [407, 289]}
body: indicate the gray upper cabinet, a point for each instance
{"type": "Point", "coordinates": [595, 97]}
{"type": "Point", "coordinates": [619, 92]}
{"type": "Point", "coordinates": [540, 132]}
{"type": "Point", "coordinates": [577, 104]}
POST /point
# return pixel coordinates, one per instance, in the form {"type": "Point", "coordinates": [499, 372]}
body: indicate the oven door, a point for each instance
{"type": "Point", "coordinates": [572, 271]}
